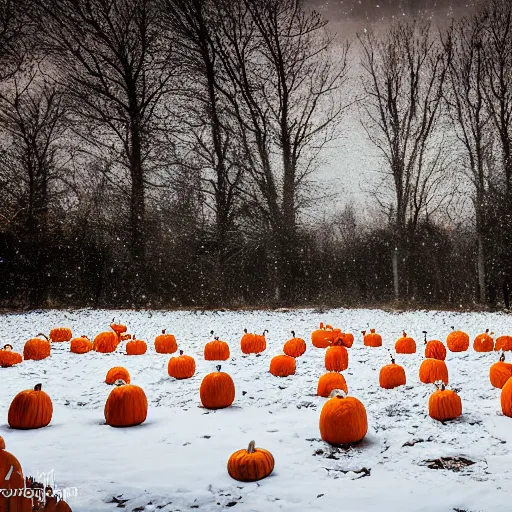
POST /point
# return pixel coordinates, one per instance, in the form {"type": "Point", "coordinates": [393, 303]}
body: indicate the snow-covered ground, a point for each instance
{"type": "Point", "coordinates": [176, 460]}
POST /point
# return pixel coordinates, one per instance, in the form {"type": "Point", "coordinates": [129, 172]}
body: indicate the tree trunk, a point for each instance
{"type": "Point", "coordinates": [482, 292]}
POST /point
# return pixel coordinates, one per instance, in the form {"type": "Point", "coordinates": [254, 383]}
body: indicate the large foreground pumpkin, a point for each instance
{"type": "Point", "coordinates": [343, 419]}
{"type": "Point", "coordinates": [126, 405]}
{"type": "Point", "coordinates": [506, 398]}
{"type": "Point", "coordinates": [30, 409]}
{"type": "Point", "coordinates": [250, 465]}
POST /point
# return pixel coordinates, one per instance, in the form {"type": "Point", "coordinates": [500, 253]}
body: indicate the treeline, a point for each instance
{"type": "Point", "coordinates": [163, 153]}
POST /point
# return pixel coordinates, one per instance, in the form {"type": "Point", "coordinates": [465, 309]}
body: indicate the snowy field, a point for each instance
{"type": "Point", "coordinates": [176, 460]}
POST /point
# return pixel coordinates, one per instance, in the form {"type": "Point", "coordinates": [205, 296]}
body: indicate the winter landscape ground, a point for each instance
{"type": "Point", "coordinates": [176, 460]}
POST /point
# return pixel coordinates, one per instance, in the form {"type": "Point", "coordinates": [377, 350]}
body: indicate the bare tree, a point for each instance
{"type": "Point", "coordinates": [404, 75]}
{"type": "Point", "coordinates": [109, 56]}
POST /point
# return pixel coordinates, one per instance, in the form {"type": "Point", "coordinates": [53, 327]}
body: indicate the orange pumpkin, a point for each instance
{"type": "Point", "coordinates": [62, 506]}
{"type": "Point", "coordinates": [322, 337]}
{"type": "Point", "coordinates": [136, 347]}
{"type": "Point", "coordinates": [457, 341]}
{"type": "Point", "coordinates": [105, 342]}
{"type": "Point", "coordinates": [504, 343]}
{"type": "Point", "coordinates": [294, 347]}
{"type": "Point", "coordinates": [117, 373]}
{"type": "Point", "coordinates": [483, 342]}
{"type": "Point", "coordinates": [60, 334]}
{"type": "Point", "coordinates": [216, 350]}
{"type": "Point", "coordinates": [250, 465]}
{"type": "Point", "coordinates": [8, 357]}
{"type": "Point", "coordinates": [217, 390]}
{"type": "Point", "coordinates": [37, 348]}
{"type": "Point", "coordinates": [181, 367]}
{"type": "Point", "coordinates": [444, 404]}
{"type": "Point", "coordinates": [405, 345]}
{"type": "Point", "coordinates": [30, 409]}
{"type": "Point", "coordinates": [348, 339]}
{"type": "Point", "coordinates": [434, 349]}
{"type": "Point", "coordinates": [126, 406]}
{"type": "Point", "coordinates": [328, 382]}
{"type": "Point", "coordinates": [500, 372]}
{"type": "Point", "coordinates": [17, 502]}
{"type": "Point", "coordinates": [282, 366]}
{"type": "Point", "coordinates": [80, 345]}
{"type": "Point", "coordinates": [372, 339]}
{"type": "Point", "coordinates": [165, 343]}
{"type": "Point", "coordinates": [8, 464]}
{"type": "Point", "coordinates": [506, 398]}
{"type": "Point", "coordinates": [343, 419]}
{"type": "Point", "coordinates": [253, 343]}
{"type": "Point", "coordinates": [118, 328]}
{"type": "Point", "coordinates": [336, 357]}
{"type": "Point", "coordinates": [433, 370]}
{"type": "Point", "coordinates": [392, 375]}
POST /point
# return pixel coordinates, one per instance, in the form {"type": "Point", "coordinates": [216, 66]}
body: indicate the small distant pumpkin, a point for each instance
{"type": "Point", "coordinates": [126, 406]}
{"type": "Point", "coordinates": [8, 357]}
{"type": "Point", "coordinates": [165, 343]}
{"type": "Point", "coordinates": [117, 373]}
{"type": "Point", "coordinates": [80, 345]}
{"type": "Point", "coordinates": [136, 347]}
{"type": "Point", "coordinates": [250, 465]}
{"type": "Point", "coordinates": [347, 339]}
{"type": "Point", "coordinates": [282, 366]}
{"type": "Point", "coordinates": [294, 347]}
{"type": "Point", "coordinates": [181, 367]}
{"type": "Point", "coordinates": [392, 375]}
{"type": "Point", "coordinates": [106, 342]}
{"type": "Point", "coordinates": [217, 390]}
{"type": "Point", "coordinates": [500, 372]}
{"type": "Point", "coordinates": [37, 348]}
{"type": "Point", "coordinates": [30, 409]}
{"type": "Point", "coordinates": [372, 339]}
{"type": "Point", "coordinates": [336, 357]}
{"type": "Point", "coordinates": [343, 419]}
{"type": "Point", "coordinates": [457, 341]}
{"type": "Point", "coordinates": [60, 334]}
{"type": "Point", "coordinates": [484, 342]}
{"type": "Point", "coordinates": [330, 381]}
{"type": "Point", "coordinates": [433, 370]}
{"type": "Point", "coordinates": [216, 350]}
{"type": "Point", "coordinates": [322, 337]}
{"type": "Point", "coordinates": [444, 404]}
{"type": "Point", "coordinates": [253, 343]}
{"type": "Point", "coordinates": [405, 345]}
{"type": "Point", "coordinates": [118, 328]}
{"type": "Point", "coordinates": [434, 349]}
{"type": "Point", "coordinates": [503, 343]}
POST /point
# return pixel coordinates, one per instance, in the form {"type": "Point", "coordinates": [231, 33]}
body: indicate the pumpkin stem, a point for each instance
{"type": "Point", "coordinates": [425, 334]}
{"type": "Point", "coordinates": [363, 333]}
{"type": "Point", "coordinates": [452, 328]}
{"type": "Point", "coordinates": [38, 387]}
{"type": "Point", "coordinates": [163, 331]}
{"type": "Point", "coordinates": [211, 332]}
{"type": "Point", "coordinates": [339, 393]}
{"type": "Point", "coordinates": [486, 330]}
{"type": "Point", "coordinates": [181, 352]}
{"type": "Point", "coordinates": [216, 338]}
{"type": "Point", "coordinates": [245, 330]}
{"type": "Point", "coordinates": [265, 331]}
{"type": "Point", "coordinates": [392, 359]}
{"type": "Point", "coordinates": [44, 335]}
{"type": "Point", "coordinates": [502, 357]}
{"type": "Point", "coordinates": [252, 447]}
{"type": "Point", "coordinates": [119, 382]}
{"type": "Point", "coordinates": [321, 325]}
{"type": "Point", "coordinates": [7, 347]}
{"type": "Point", "coordinates": [293, 333]}
{"type": "Point", "coordinates": [405, 334]}
{"type": "Point", "coordinates": [372, 330]}
{"type": "Point", "coordinates": [218, 367]}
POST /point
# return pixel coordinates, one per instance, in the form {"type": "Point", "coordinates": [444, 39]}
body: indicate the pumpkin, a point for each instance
{"type": "Point", "coordinates": [8, 357]}
{"type": "Point", "coordinates": [253, 343]}
{"type": "Point", "coordinates": [51, 503]}
{"type": "Point", "coordinates": [348, 339]}
{"type": "Point", "coordinates": [392, 375]}
{"type": "Point", "coordinates": [136, 347]}
{"type": "Point", "coordinates": [483, 342]}
{"type": "Point", "coordinates": [217, 390]}
{"type": "Point", "coordinates": [336, 357]}
{"type": "Point", "coordinates": [294, 347]}
{"type": "Point", "coordinates": [37, 348]}
{"type": "Point", "coordinates": [434, 349]}
{"type": "Point", "coordinates": [500, 372]}
{"type": "Point", "coordinates": [506, 398]}
{"type": "Point", "coordinates": [504, 343]}
{"type": "Point", "coordinates": [8, 464]}
{"type": "Point", "coordinates": [80, 345]}
{"type": "Point", "coordinates": [405, 345]}
{"type": "Point", "coordinates": [16, 502]}
{"type": "Point", "coordinates": [444, 404]}
{"type": "Point", "coordinates": [216, 350]}
{"type": "Point", "coordinates": [372, 339]}
{"type": "Point", "coordinates": [60, 334]}
{"type": "Point", "coordinates": [117, 373]}
{"type": "Point", "coordinates": [105, 342]}
{"type": "Point", "coordinates": [250, 465]}
{"type": "Point", "coordinates": [329, 382]}
{"type": "Point", "coordinates": [433, 370]}
{"type": "Point", "coordinates": [118, 328]}
{"type": "Point", "coordinates": [343, 419]}
{"type": "Point", "coordinates": [62, 506]}
{"type": "Point", "coordinates": [30, 409]}
{"type": "Point", "coordinates": [322, 337]}
{"type": "Point", "coordinates": [457, 341]}
{"type": "Point", "coordinates": [126, 405]}
{"type": "Point", "coordinates": [282, 366]}
{"type": "Point", "coordinates": [165, 343]}
{"type": "Point", "coordinates": [125, 337]}
{"type": "Point", "coordinates": [181, 367]}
